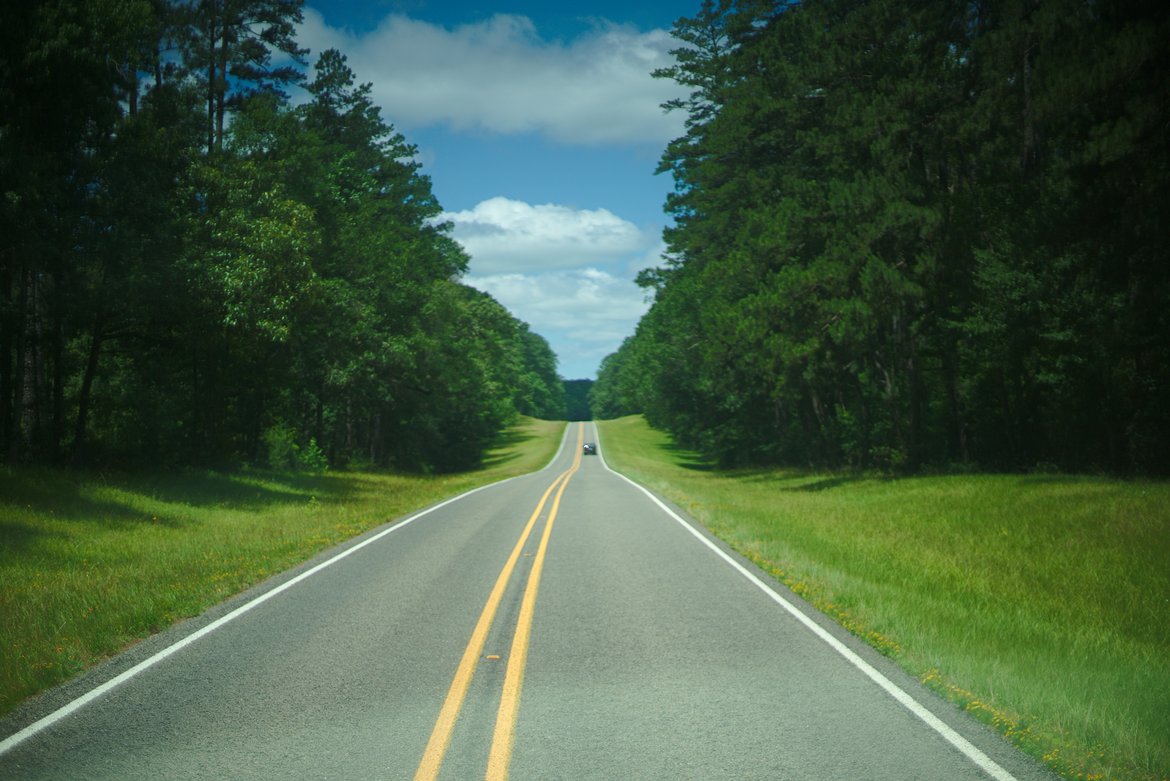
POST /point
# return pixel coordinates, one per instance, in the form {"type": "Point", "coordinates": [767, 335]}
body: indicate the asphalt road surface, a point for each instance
{"type": "Point", "coordinates": [562, 625]}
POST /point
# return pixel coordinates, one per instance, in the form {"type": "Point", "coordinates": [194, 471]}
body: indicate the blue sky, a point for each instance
{"type": "Point", "coordinates": [540, 128]}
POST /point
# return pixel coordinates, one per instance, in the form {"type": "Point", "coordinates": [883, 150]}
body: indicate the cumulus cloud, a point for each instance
{"type": "Point", "coordinates": [584, 313]}
{"type": "Point", "coordinates": [566, 272]}
{"type": "Point", "coordinates": [503, 235]}
{"type": "Point", "coordinates": [500, 75]}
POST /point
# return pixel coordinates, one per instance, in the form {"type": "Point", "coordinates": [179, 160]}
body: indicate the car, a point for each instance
{"type": "Point", "coordinates": [590, 449]}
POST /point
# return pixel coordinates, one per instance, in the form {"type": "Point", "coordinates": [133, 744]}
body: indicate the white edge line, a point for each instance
{"type": "Point", "coordinates": [984, 762]}
{"type": "Point", "coordinates": [47, 721]}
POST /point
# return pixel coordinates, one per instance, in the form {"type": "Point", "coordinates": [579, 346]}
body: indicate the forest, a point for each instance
{"type": "Point", "coordinates": [914, 236]}
{"type": "Point", "coordinates": [197, 269]}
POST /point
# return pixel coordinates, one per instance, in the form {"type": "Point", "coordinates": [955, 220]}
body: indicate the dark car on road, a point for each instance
{"type": "Point", "coordinates": [590, 449]}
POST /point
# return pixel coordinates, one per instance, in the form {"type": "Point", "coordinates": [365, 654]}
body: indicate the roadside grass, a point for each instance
{"type": "Point", "coordinates": [1038, 603]}
{"type": "Point", "coordinates": [92, 563]}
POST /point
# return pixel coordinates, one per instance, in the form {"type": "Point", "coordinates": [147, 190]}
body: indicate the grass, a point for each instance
{"type": "Point", "coordinates": [90, 564]}
{"type": "Point", "coordinates": [1040, 604]}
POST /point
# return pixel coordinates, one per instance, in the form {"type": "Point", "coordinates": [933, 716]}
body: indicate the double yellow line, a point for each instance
{"type": "Point", "coordinates": [501, 750]}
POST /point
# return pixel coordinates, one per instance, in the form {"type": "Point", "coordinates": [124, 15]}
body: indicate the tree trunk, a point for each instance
{"type": "Point", "coordinates": [221, 90]}
{"type": "Point", "coordinates": [83, 398]}
{"type": "Point", "coordinates": [1029, 154]}
{"type": "Point", "coordinates": [57, 348]}
{"type": "Point", "coordinates": [956, 427]}
{"type": "Point", "coordinates": [211, 84]}
{"type": "Point", "coordinates": [7, 326]}
{"type": "Point", "coordinates": [196, 432]}
{"type": "Point", "coordinates": [914, 448]}
{"type": "Point", "coordinates": [133, 89]}
{"type": "Point", "coordinates": [27, 414]}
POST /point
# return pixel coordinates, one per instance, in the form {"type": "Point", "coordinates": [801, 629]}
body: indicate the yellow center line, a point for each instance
{"type": "Point", "coordinates": [432, 760]}
{"type": "Point", "coordinates": [502, 738]}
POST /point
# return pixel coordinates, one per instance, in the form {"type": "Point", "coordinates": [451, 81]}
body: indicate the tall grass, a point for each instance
{"type": "Point", "coordinates": [89, 564]}
{"type": "Point", "coordinates": [1041, 604]}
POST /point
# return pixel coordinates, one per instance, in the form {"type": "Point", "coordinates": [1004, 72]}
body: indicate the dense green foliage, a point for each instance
{"type": "Point", "coordinates": [916, 235]}
{"type": "Point", "coordinates": [177, 287]}
{"type": "Point", "coordinates": [577, 399]}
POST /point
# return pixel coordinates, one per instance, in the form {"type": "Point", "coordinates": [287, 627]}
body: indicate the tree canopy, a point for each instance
{"type": "Point", "coordinates": [180, 288]}
{"type": "Point", "coordinates": [909, 236]}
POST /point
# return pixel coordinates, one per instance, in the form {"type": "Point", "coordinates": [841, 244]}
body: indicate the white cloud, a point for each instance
{"type": "Point", "coordinates": [499, 75]}
{"type": "Point", "coordinates": [655, 257]}
{"type": "Point", "coordinates": [566, 272]}
{"type": "Point", "coordinates": [503, 235]}
{"type": "Point", "coordinates": [583, 313]}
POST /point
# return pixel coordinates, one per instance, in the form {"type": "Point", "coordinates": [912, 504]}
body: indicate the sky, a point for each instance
{"type": "Point", "coordinates": [540, 128]}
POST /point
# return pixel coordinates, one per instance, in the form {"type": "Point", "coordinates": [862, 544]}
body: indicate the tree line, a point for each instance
{"type": "Point", "coordinates": [914, 235]}
{"type": "Point", "coordinates": [194, 269]}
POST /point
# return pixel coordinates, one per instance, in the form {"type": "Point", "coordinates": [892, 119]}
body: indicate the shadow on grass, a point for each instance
{"type": "Point", "coordinates": [697, 462]}
{"type": "Point", "coordinates": [512, 437]}
{"type": "Point", "coordinates": [62, 496]}
{"type": "Point", "coordinates": [1051, 479]}
{"type": "Point", "coordinates": [688, 459]}
{"type": "Point", "coordinates": [57, 494]}
{"type": "Point", "coordinates": [491, 460]}
{"type": "Point", "coordinates": [34, 499]}
{"type": "Point", "coordinates": [251, 490]}
{"type": "Point", "coordinates": [16, 537]}
{"type": "Point", "coordinates": [223, 490]}
{"type": "Point", "coordinates": [825, 483]}
{"type": "Point", "coordinates": [506, 448]}
{"type": "Point", "coordinates": [785, 479]}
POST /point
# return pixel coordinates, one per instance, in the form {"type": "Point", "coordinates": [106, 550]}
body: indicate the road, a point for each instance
{"type": "Point", "coordinates": [562, 625]}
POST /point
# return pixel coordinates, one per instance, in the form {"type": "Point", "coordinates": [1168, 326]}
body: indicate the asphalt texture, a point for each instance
{"type": "Point", "coordinates": [651, 657]}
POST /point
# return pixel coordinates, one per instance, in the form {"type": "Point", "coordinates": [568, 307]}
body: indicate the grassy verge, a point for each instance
{"type": "Point", "coordinates": [1041, 604]}
{"type": "Point", "coordinates": [89, 564]}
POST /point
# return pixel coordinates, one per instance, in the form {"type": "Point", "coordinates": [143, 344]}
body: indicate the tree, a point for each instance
{"type": "Point", "coordinates": [134, 284]}
{"type": "Point", "coordinates": [540, 390]}
{"type": "Point", "coordinates": [577, 396]}
{"type": "Point", "coordinates": [292, 291]}
{"type": "Point", "coordinates": [231, 43]}
{"type": "Point", "coordinates": [899, 238]}
{"type": "Point", "coordinates": [59, 93]}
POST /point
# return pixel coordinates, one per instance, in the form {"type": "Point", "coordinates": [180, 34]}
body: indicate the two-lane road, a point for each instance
{"type": "Point", "coordinates": [563, 625]}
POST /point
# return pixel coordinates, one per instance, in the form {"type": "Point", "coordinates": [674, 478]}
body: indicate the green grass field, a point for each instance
{"type": "Point", "coordinates": [1039, 603]}
{"type": "Point", "coordinates": [90, 564]}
